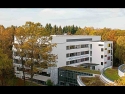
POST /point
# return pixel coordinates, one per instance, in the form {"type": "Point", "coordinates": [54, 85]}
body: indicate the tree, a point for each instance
{"type": "Point", "coordinates": [49, 82]}
{"type": "Point", "coordinates": [5, 67]}
{"type": "Point", "coordinates": [20, 38]}
{"type": "Point", "coordinates": [120, 49]}
{"type": "Point", "coordinates": [37, 47]}
{"type": "Point", "coordinates": [119, 82]}
{"type": "Point", "coordinates": [60, 31]}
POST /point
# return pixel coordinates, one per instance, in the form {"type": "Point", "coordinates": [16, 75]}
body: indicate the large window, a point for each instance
{"type": "Point", "coordinates": [73, 40]}
{"type": "Point", "coordinates": [67, 55]}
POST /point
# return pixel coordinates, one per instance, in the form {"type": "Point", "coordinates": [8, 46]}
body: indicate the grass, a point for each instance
{"type": "Point", "coordinates": [81, 69]}
{"type": "Point", "coordinates": [111, 74]}
{"type": "Point", "coordinates": [19, 82]}
{"type": "Point", "coordinates": [92, 81]}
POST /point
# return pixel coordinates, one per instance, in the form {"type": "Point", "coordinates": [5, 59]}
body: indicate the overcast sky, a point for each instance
{"type": "Point", "coordinates": [96, 17]}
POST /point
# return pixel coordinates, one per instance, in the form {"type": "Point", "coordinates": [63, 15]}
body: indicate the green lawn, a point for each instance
{"type": "Point", "coordinates": [19, 82]}
{"type": "Point", "coordinates": [112, 74]}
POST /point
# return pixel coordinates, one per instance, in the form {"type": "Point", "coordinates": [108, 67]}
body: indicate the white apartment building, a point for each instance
{"type": "Point", "coordinates": [74, 50]}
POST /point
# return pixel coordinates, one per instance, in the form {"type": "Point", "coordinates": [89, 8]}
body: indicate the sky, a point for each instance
{"type": "Point", "coordinates": [90, 17]}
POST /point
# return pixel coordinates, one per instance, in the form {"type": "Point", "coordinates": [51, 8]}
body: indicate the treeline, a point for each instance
{"type": "Point", "coordinates": [58, 30]}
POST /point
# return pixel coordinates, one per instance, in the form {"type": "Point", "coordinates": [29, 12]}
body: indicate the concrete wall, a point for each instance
{"type": "Point", "coordinates": [121, 72]}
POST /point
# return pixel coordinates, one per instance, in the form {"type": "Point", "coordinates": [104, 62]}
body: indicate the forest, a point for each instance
{"type": "Point", "coordinates": [37, 29]}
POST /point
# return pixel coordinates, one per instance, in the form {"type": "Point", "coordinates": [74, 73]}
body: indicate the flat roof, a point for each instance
{"type": "Point", "coordinates": [40, 77]}
{"type": "Point", "coordinates": [80, 69]}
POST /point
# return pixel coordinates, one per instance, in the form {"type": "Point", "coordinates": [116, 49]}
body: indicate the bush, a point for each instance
{"type": "Point", "coordinates": [49, 82]}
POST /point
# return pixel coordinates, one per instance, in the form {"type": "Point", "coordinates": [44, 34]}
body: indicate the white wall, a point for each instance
{"type": "Point", "coordinates": [96, 54]}
{"type": "Point", "coordinates": [61, 51]}
{"type": "Point", "coordinates": [120, 71]}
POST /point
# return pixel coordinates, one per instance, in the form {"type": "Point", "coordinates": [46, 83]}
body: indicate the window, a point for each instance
{"type": "Point", "coordinates": [67, 55]}
{"type": "Point", "coordinates": [111, 52]}
{"type": "Point", "coordinates": [86, 59]}
{"type": "Point", "coordinates": [72, 54]}
{"type": "Point", "coordinates": [108, 58]}
{"type": "Point", "coordinates": [77, 46]}
{"type": "Point", "coordinates": [105, 55]}
{"type": "Point", "coordinates": [90, 46]}
{"type": "Point", "coordinates": [82, 60]}
{"type": "Point", "coordinates": [105, 62]}
{"type": "Point", "coordinates": [86, 45]}
{"type": "Point", "coordinates": [111, 58]}
{"type": "Point", "coordinates": [86, 52]}
{"type": "Point", "coordinates": [15, 53]}
{"type": "Point", "coordinates": [82, 53]}
{"type": "Point", "coordinates": [90, 59]}
{"type": "Point", "coordinates": [108, 51]}
{"type": "Point", "coordinates": [105, 48]}
{"type": "Point", "coordinates": [109, 45]}
{"type": "Point", "coordinates": [68, 62]}
{"type": "Point", "coordinates": [101, 49]}
{"type": "Point", "coordinates": [62, 83]}
{"type": "Point", "coordinates": [101, 63]}
{"type": "Point", "coordinates": [82, 46]}
{"type": "Point", "coordinates": [78, 53]}
{"type": "Point", "coordinates": [100, 44]}
{"type": "Point", "coordinates": [79, 60]}
{"type": "Point", "coordinates": [90, 53]}
{"type": "Point", "coordinates": [15, 60]}
{"type": "Point", "coordinates": [101, 56]}
{"type": "Point", "coordinates": [72, 47]}
{"type": "Point", "coordinates": [72, 62]}
{"type": "Point", "coordinates": [67, 47]}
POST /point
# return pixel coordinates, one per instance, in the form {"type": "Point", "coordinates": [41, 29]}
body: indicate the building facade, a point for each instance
{"type": "Point", "coordinates": [75, 50]}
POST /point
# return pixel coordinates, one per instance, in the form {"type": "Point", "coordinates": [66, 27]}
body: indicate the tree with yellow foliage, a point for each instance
{"type": "Point", "coordinates": [119, 82]}
{"type": "Point", "coordinates": [36, 46]}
